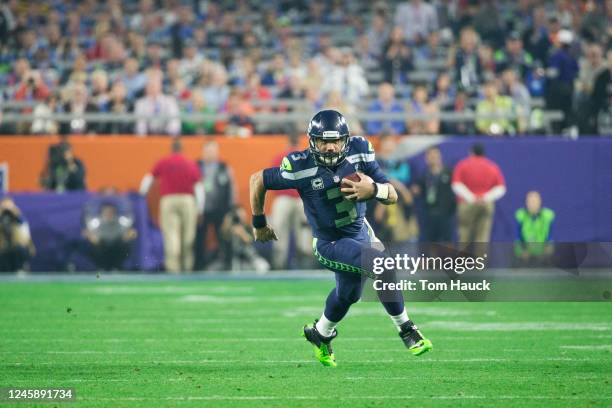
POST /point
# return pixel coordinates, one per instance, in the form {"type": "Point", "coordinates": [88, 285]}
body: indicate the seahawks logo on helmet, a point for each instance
{"type": "Point", "coordinates": [328, 125]}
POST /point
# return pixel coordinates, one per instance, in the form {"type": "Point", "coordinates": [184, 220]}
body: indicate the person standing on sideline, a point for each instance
{"type": "Point", "coordinates": [478, 183]}
{"type": "Point", "coordinates": [182, 196]}
{"type": "Point", "coordinates": [220, 193]}
{"type": "Point", "coordinates": [439, 200]}
{"type": "Point", "coordinates": [534, 244]}
{"type": "Point", "coordinates": [287, 215]}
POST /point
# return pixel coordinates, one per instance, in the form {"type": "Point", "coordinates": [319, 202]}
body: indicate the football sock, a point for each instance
{"type": "Point", "coordinates": [400, 319]}
{"type": "Point", "coordinates": [325, 326]}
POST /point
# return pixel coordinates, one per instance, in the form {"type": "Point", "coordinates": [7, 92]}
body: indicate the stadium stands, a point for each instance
{"type": "Point", "coordinates": [51, 48]}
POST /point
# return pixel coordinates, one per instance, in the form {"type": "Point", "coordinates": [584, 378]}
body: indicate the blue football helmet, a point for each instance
{"type": "Point", "coordinates": [328, 125]}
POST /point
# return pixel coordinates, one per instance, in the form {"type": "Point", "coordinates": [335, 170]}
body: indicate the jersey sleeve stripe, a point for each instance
{"type": "Point", "coordinates": [298, 175]}
{"type": "Point", "coordinates": [361, 157]}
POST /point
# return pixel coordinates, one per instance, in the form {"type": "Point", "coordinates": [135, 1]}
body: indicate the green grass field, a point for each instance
{"type": "Point", "coordinates": [237, 343]}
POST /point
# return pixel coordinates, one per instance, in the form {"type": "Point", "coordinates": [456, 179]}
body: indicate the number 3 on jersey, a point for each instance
{"type": "Point", "coordinates": [343, 207]}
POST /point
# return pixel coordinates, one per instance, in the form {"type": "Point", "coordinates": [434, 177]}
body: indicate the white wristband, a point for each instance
{"type": "Point", "coordinates": [382, 191]}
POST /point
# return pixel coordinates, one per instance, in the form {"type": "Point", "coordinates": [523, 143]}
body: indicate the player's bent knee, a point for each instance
{"type": "Point", "coordinates": [350, 297]}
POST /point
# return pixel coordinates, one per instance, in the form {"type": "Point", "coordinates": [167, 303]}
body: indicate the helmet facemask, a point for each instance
{"type": "Point", "coordinates": [329, 159]}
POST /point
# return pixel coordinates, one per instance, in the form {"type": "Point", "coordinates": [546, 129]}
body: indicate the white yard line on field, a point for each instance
{"type": "Point", "coordinates": [588, 347]}
{"type": "Point", "coordinates": [354, 397]}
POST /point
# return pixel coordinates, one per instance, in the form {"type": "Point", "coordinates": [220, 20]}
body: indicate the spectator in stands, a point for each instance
{"type": "Point", "coordinates": [601, 100]}
{"type": "Point", "coordinates": [78, 72]}
{"type": "Point", "coordinates": [590, 65]}
{"type": "Point", "coordinates": [133, 80]}
{"type": "Point", "coordinates": [314, 100]}
{"type": "Point", "coordinates": [190, 61]}
{"type": "Point", "coordinates": [417, 19]}
{"type": "Point", "coordinates": [377, 34]}
{"type": "Point", "coordinates": [297, 66]}
{"type": "Point", "coordinates": [513, 56]}
{"type": "Point", "coordinates": [179, 90]}
{"type": "Point", "coordinates": [16, 246]}
{"type": "Point", "coordinates": [521, 100]}
{"type": "Point", "coordinates": [182, 199]}
{"type": "Point", "coordinates": [196, 104]}
{"type": "Point", "coordinates": [395, 223]}
{"type": "Point", "coordinates": [118, 104]}
{"type": "Point", "coordinates": [171, 76]}
{"type": "Point", "coordinates": [216, 92]}
{"type": "Point", "coordinates": [458, 127]}
{"type": "Point", "coordinates": [397, 58]}
{"type": "Point", "coordinates": [438, 198]}
{"type": "Point", "coordinates": [109, 235]}
{"type": "Point", "coordinates": [465, 60]}
{"type": "Point", "coordinates": [421, 105]}
{"type": "Point", "coordinates": [478, 183]}
{"type": "Point", "coordinates": [444, 90]}
{"type": "Point", "coordinates": [494, 104]}
{"type": "Point", "coordinates": [595, 22]}
{"type": "Point", "coordinates": [79, 105]}
{"type": "Point", "coordinates": [99, 90]}
{"type": "Point", "coordinates": [363, 56]}
{"type": "Point", "coordinates": [32, 88]}
{"type": "Point", "coordinates": [489, 23]}
{"type": "Point", "coordinates": [533, 245]}
{"type": "Point", "coordinates": [314, 74]}
{"type": "Point", "coordinates": [430, 51]}
{"type": "Point", "coordinates": [348, 78]}
{"type": "Point", "coordinates": [17, 76]}
{"type": "Point", "coordinates": [255, 91]}
{"type": "Point", "coordinates": [8, 23]}
{"type": "Point", "coordinates": [487, 61]}
{"type": "Point", "coordinates": [240, 111]}
{"type": "Point", "coordinates": [287, 215]}
{"type": "Point", "coordinates": [152, 107]}
{"type": "Point", "coordinates": [561, 74]}
{"type": "Point", "coordinates": [275, 74]}
{"type": "Point", "coordinates": [386, 103]}
{"type": "Point", "coordinates": [536, 38]}
{"type": "Point", "coordinates": [42, 124]}
{"type": "Point", "coordinates": [219, 188]}
{"type": "Point", "coordinates": [65, 172]}
{"type": "Point", "coordinates": [294, 89]}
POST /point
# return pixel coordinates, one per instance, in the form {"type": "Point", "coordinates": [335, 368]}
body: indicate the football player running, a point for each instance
{"type": "Point", "coordinates": [335, 208]}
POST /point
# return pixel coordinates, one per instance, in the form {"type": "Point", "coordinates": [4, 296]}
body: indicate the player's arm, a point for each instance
{"type": "Point", "coordinates": [273, 178]}
{"type": "Point", "coordinates": [367, 188]}
{"type": "Point", "coordinates": [257, 194]}
{"type": "Point", "coordinates": [373, 183]}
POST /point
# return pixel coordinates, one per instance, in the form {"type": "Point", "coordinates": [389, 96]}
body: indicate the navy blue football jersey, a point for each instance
{"type": "Point", "coordinates": [330, 215]}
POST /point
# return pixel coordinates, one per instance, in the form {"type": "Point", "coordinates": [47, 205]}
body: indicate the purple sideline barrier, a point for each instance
{"type": "Point", "coordinates": [56, 223]}
{"type": "Point", "coordinates": [574, 177]}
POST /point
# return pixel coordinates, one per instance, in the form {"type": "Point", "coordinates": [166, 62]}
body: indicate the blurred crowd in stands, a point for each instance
{"type": "Point", "coordinates": [232, 62]}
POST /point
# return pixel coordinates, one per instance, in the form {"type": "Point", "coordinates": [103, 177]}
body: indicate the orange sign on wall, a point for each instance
{"type": "Point", "coordinates": [122, 161]}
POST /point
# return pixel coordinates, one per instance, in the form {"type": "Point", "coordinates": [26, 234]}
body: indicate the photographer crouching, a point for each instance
{"type": "Point", "coordinates": [16, 246]}
{"type": "Point", "coordinates": [110, 236]}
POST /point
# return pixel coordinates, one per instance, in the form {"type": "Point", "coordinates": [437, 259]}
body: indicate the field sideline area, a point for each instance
{"type": "Point", "coordinates": [169, 342]}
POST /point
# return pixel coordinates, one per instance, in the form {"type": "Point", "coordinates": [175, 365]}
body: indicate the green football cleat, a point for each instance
{"type": "Point", "coordinates": [414, 340]}
{"type": "Point", "coordinates": [322, 345]}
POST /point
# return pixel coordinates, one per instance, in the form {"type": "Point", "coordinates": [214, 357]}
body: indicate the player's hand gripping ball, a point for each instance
{"type": "Point", "coordinates": [357, 187]}
{"type": "Point", "coordinates": [265, 234]}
